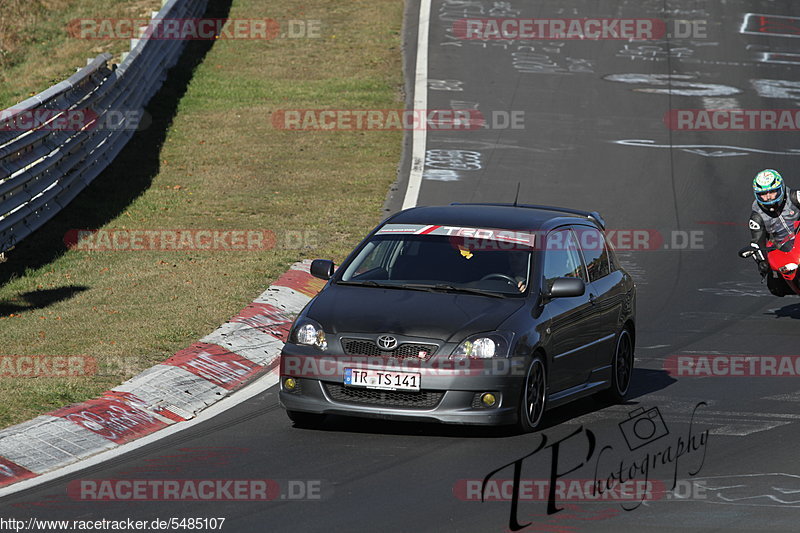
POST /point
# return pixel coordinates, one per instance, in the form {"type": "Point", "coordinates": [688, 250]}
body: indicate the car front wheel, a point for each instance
{"type": "Point", "coordinates": [534, 397]}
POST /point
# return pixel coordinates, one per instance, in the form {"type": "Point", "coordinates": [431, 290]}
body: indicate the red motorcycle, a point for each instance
{"type": "Point", "coordinates": [783, 260]}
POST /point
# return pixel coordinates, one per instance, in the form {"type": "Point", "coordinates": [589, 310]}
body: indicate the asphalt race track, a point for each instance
{"type": "Point", "coordinates": [722, 453]}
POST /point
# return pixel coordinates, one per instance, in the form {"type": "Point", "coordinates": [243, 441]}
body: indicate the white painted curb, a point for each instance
{"type": "Point", "coordinates": [166, 395]}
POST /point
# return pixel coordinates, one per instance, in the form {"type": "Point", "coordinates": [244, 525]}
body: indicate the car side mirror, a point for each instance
{"type": "Point", "coordinates": [322, 268]}
{"type": "Point", "coordinates": [747, 251]}
{"type": "Point", "coordinates": [566, 288]}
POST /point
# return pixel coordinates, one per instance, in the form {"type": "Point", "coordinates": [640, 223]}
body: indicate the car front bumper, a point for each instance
{"type": "Point", "coordinates": [450, 393]}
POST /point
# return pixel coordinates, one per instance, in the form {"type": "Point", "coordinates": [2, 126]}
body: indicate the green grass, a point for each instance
{"type": "Point", "coordinates": [222, 165]}
{"type": "Point", "coordinates": [36, 50]}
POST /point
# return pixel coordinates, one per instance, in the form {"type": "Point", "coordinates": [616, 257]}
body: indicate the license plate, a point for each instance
{"type": "Point", "coordinates": [381, 379]}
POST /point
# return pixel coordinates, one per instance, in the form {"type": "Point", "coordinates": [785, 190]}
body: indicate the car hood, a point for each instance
{"type": "Point", "coordinates": [435, 315]}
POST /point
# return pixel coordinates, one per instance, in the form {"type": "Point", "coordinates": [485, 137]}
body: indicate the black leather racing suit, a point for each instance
{"type": "Point", "coordinates": [778, 226]}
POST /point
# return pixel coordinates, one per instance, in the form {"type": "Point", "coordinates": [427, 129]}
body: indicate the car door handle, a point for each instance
{"type": "Point", "coordinates": [592, 298]}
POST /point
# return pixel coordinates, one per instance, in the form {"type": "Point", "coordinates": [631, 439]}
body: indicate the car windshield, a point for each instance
{"type": "Point", "coordinates": [496, 264]}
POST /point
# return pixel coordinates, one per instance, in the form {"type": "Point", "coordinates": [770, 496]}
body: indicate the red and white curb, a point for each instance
{"type": "Point", "coordinates": [174, 391]}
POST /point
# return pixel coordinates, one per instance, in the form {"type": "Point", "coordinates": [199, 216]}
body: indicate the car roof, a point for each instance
{"type": "Point", "coordinates": [504, 216]}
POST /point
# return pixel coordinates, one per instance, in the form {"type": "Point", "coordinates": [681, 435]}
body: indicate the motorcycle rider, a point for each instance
{"type": "Point", "coordinates": [773, 218]}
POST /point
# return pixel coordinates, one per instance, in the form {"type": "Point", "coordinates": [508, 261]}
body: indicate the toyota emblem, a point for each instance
{"type": "Point", "coordinates": [387, 342]}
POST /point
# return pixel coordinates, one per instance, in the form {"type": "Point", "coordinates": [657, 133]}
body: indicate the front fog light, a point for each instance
{"type": "Point", "coordinates": [289, 384]}
{"type": "Point", "coordinates": [488, 399]}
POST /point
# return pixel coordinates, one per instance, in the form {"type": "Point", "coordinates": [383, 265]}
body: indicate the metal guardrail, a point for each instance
{"type": "Point", "coordinates": [43, 168]}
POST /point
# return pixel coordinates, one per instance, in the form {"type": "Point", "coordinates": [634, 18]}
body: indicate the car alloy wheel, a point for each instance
{"type": "Point", "coordinates": [534, 396]}
{"type": "Point", "coordinates": [623, 364]}
{"type": "Point", "coordinates": [622, 368]}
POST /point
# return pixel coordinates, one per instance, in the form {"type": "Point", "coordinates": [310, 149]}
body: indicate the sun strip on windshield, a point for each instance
{"type": "Point", "coordinates": [469, 234]}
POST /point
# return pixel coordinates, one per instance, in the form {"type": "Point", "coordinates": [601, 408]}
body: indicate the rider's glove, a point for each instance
{"type": "Point", "coordinates": [763, 268]}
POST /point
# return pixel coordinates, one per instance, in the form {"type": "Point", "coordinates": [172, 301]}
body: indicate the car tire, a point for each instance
{"type": "Point", "coordinates": [533, 398]}
{"type": "Point", "coordinates": [621, 368]}
{"type": "Point", "coordinates": [305, 420]}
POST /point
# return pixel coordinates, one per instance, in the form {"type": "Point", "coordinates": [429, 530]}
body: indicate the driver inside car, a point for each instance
{"type": "Point", "coordinates": [773, 219]}
{"type": "Point", "coordinates": [519, 268]}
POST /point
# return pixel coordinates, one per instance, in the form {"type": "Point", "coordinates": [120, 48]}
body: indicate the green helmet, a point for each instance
{"type": "Point", "coordinates": [769, 181]}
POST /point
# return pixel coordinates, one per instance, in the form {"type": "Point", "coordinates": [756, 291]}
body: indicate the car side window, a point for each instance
{"type": "Point", "coordinates": [595, 252]}
{"type": "Point", "coordinates": [562, 259]}
{"type": "Point", "coordinates": [375, 263]}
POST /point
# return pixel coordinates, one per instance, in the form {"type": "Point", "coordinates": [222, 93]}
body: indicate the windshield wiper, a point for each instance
{"type": "Point", "coordinates": [373, 283]}
{"type": "Point", "coordinates": [451, 288]}
{"type": "Point", "coordinates": [439, 287]}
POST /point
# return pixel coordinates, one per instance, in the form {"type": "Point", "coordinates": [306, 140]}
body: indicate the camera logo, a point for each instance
{"type": "Point", "coordinates": [643, 427]}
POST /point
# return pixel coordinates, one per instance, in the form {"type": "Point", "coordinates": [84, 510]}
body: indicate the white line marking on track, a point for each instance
{"type": "Point", "coordinates": [420, 104]}
{"type": "Point", "coordinates": [720, 103]}
{"type": "Point", "coordinates": [706, 150]}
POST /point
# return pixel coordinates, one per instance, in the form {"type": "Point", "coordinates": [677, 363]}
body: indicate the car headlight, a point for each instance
{"type": "Point", "coordinates": [484, 346]}
{"type": "Point", "coordinates": [310, 333]}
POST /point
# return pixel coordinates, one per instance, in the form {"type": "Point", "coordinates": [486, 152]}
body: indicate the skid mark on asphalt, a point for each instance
{"type": "Point", "coordinates": [486, 145]}
{"type": "Point", "coordinates": [737, 288]}
{"type": "Point", "coordinates": [790, 397]}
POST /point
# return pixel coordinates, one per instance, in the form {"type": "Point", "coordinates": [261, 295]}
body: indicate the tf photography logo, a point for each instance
{"type": "Point", "coordinates": [652, 450]}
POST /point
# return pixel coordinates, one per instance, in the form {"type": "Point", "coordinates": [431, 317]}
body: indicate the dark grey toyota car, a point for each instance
{"type": "Point", "coordinates": [467, 314]}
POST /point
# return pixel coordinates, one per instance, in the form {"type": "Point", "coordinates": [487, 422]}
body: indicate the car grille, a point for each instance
{"type": "Point", "coordinates": [476, 401]}
{"type": "Point", "coordinates": [385, 398]}
{"type": "Point", "coordinates": [404, 351]}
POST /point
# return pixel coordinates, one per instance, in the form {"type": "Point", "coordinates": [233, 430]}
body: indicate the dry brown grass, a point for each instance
{"type": "Point", "coordinates": [17, 19]}
{"type": "Point", "coordinates": [36, 50]}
